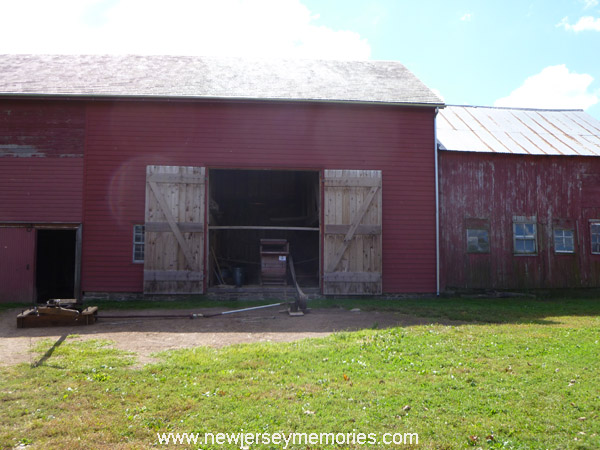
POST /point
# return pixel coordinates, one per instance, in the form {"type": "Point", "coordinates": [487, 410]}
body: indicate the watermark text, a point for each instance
{"type": "Point", "coordinates": [245, 440]}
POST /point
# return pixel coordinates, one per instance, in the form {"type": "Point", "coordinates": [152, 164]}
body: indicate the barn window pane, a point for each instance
{"type": "Point", "coordinates": [564, 241]}
{"type": "Point", "coordinates": [478, 240]}
{"type": "Point", "coordinates": [138, 243]}
{"type": "Point", "coordinates": [595, 237]}
{"type": "Point", "coordinates": [524, 238]}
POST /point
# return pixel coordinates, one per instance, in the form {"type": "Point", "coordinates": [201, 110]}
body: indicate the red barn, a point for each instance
{"type": "Point", "coordinates": [162, 174]}
{"type": "Point", "coordinates": [520, 198]}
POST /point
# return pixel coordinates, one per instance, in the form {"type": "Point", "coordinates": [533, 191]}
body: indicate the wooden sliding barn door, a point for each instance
{"type": "Point", "coordinates": [174, 230]}
{"type": "Point", "coordinates": [352, 225]}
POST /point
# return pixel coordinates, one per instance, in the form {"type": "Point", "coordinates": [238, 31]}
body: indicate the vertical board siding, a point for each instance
{"type": "Point", "coordinates": [497, 187]}
{"type": "Point", "coordinates": [41, 189]}
{"type": "Point", "coordinates": [17, 264]}
{"type": "Point", "coordinates": [123, 138]}
{"type": "Point", "coordinates": [41, 161]}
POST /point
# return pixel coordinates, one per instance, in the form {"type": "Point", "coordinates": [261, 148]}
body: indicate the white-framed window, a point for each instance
{"type": "Point", "coordinates": [478, 240]}
{"type": "Point", "coordinates": [525, 238]}
{"type": "Point", "coordinates": [138, 243]}
{"type": "Point", "coordinates": [595, 236]}
{"type": "Point", "coordinates": [564, 240]}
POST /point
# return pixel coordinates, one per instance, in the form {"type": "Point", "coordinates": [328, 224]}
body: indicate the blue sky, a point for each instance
{"type": "Point", "coordinates": [504, 52]}
{"type": "Point", "coordinates": [478, 52]}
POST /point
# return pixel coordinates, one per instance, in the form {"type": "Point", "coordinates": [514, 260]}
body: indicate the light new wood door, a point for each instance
{"type": "Point", "coordinates": [174, 230]}
{"type": "Point", "coordinates": [352, 226]}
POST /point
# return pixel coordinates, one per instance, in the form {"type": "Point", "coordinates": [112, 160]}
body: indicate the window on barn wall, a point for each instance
{"type": "Point", "coordinates": [524, 236]}
{"type": "Point", "coordinates": [478, 240]}
{"type": "Point", "coordinates": [138, 243]}
{"type": "Point", "coordinates": [564, 240]}
{"type": "Point", "coordinates": [595, 237]}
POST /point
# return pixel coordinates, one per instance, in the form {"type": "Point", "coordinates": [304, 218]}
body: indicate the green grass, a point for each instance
{"type": "Point", "coordinates": [489, 310]}
{"type": "Point", "coordinates": [519, 374]}
{"type": "Point", "coordinates": [486, 310]}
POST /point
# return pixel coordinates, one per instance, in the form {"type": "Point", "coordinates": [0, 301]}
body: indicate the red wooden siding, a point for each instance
{"type": "Point", "coordinates": [41, 189]}
{"type": "Point", "coordinates": [41, 161]}
{"type": "Point", "coordinates": [17, 264]}
{"type": "Point", "coordinates": [41, 129]}
{"type": "Point", "coordinates": [123, 138]}
{"type": "Point", "coordinates": [559, 190]}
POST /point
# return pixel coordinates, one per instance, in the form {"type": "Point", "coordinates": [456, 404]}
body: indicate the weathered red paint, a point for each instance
{"type": "Point", "coordinates": [559, 190]}
{"type": "Point", "coordinates": [41, 161]}
{"type": "Point", "coordinates": [41, 129]}
{"type": "Point", "coordinates": [17, 264]}
{"type": "Point", "coordinates": [124, 137]}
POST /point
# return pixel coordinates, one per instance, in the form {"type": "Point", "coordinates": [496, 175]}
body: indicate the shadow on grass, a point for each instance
{"type": "Point", "coordinates": [529, 308]}
{"type": "Point", "coordinates": [414, 311]}
{"type": "Point", "coordinates": [49, 352]}
{"type": "Point", "coordinates": [488, 310]}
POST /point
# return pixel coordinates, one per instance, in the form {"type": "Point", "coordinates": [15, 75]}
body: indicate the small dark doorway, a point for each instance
{"type": "Point", "coordinates": [55, 264]}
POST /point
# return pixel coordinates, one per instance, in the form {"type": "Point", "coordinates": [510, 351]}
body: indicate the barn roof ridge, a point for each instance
{"type": "Point", "coordinates": [212, 77]}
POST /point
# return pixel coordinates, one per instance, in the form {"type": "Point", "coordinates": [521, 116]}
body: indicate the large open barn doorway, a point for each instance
{"type": "Point", "coordinates": [247, 206]}
{"type": "Point", "coordinates": [55, 264]}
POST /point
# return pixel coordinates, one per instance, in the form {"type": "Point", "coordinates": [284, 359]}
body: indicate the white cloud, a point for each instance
{"type": "Point", "coordinates": [466, 17]}
{"type": "Point", "coordinates": [586, 23]}
{"type": "Point", "coordinates": [553, 87]}
{"type": "Point", "coordinates": [590, 3]}
{"type": "Point", "coordinates": [283, 28]}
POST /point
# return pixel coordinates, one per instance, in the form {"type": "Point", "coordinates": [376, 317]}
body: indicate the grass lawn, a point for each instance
{"type": "Point", "coordinates": [519, 374]}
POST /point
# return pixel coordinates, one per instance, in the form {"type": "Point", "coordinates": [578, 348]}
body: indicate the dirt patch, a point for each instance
{"type": "Point", "coordinates": [147, 335]}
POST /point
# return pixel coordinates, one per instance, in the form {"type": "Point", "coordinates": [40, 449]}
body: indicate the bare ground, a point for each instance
{"type": "Point", "coordinates": [147, 335]}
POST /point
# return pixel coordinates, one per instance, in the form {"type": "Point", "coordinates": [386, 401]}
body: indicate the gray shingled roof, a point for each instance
{"type": "Point", "coordinates": [209, 77]}
{"type": "Point", "coordinates": [517, 130]}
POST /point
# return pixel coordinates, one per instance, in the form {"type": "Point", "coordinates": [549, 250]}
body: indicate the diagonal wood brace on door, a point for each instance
{"type": "Point", "coordinates": [353, 227]}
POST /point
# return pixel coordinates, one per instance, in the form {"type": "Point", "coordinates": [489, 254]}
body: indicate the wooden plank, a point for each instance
{"type": "Point", "coordinates": [353, 288]}
{"type": "Point", "coordinates": [355, 223]}
{"type": "Point", "coordinates": [179, 211]}
{"type": "Point", "coordinates": [173, 275]}
{"type": "Point", "coordinates": [339, 218]}
{"type": "Point", "coordinates": [176, 178]}
{"type": "Point", "coordinates": [354, 251]}
{"type": "Point", "coordinates": [167, 213]}
{"type": "Point", "coordinates": [57, 311]}
{"type": "Point", "coordinates": [352, 277]}
{"type": "Point", "coordinates": [46, 318]}
{"type": "Point", "coordinates": [174, 255]}
{"type": "Point", "coordinates": [352, 182]}
{"type": "Point", "coordinates": [184, 227]}
{"type": "Point", "coordinates": [372, 255]}
{"type": "Point", "coordinates": [349, 209]}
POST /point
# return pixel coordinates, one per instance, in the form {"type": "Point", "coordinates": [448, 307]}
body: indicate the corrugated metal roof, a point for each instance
{"type": "Point", "coordinates": [519, 131]}
{"type": "Point", "coordinates": [210, 77]}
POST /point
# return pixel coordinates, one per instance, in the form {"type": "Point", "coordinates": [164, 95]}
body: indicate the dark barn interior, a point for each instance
{"type": "Point", "coordinates": [55, 264]}
{"type": "Point", "coordinates": [246, 206]}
